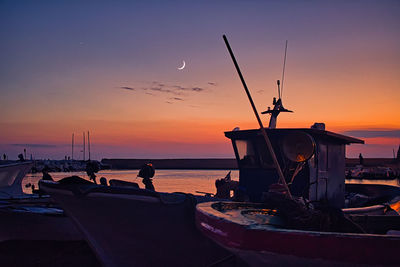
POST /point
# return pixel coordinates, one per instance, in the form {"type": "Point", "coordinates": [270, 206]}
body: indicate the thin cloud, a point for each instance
{"type": "Point", "coordinates": [177, 98]}
{"type": "Point", "coordinates": [127, 88]}
{"type": "Point", "coordinates": [194, 89]}
{"type": "Point", "coordinates": [155, 88]}
{"type": "Point", "coordinates": [162, 90]}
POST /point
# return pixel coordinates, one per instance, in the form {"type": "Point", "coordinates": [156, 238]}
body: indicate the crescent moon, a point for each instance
{"type": "Point", "coordinates": [183, 66]}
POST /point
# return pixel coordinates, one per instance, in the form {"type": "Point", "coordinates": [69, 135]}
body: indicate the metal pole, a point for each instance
{"type": "Point", "coordinates": [72, 152]}
{"type": "Point", "coordinates": [263, 132]}
{"type": "Point", "coordinates": [88, 141]}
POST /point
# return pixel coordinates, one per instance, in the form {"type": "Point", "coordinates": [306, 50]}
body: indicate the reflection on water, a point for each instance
{"type": "Point", "coordinates": [187, 181]}
{"type": "Point", "coordinates": [395, 182]}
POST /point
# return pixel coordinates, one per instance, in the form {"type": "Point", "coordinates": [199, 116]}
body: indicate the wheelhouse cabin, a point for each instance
{"type": "Point", "coordinates": [320, 178]}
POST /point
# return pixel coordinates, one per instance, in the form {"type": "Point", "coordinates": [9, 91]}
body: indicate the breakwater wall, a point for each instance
{"type": "Point", "coordinates": [220, 164]}
{"type": "Point", "coordinates": [374, 162]}
{"type": "Point", "coordinates": [206, 164]}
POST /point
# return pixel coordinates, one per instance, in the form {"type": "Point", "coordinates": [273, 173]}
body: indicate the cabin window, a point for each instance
{"type": "Point", "coordinates": [247, 156]}
{"type": "Point", "coordinates": [264, 154]}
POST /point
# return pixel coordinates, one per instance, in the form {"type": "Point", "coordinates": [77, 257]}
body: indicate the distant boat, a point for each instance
{"type": "Point", "coordinates": [11, 176]}
{"type": "Point", "coordinates": [374, 173]}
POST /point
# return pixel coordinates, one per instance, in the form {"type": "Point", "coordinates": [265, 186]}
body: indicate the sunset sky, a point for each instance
{"type": "Point", "coordinates": [110, 67]}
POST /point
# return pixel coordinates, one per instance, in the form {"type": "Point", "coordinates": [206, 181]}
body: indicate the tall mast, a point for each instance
{"type": "Point", "coordinates": [84, 152]}
{"type": "Point", "coordinates": [88, 141]}
{"type": "Point", "coordinates": [72, 149]}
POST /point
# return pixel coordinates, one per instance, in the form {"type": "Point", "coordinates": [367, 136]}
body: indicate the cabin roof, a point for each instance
{"type": "Point", "coordinates": [315, 133]}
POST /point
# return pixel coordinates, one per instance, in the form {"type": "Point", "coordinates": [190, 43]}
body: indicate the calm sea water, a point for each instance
{"type": "Point", "coordinates": [395, 182]}
{"type": "Point", "coordinates": [187, 181]}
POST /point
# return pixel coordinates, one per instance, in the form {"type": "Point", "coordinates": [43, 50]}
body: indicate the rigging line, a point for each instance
{"type": "Point", "coordinates": [283, 71]}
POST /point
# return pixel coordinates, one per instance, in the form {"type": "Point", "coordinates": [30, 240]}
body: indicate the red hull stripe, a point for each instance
{"type": "Point", "coordinates": [354, 248]}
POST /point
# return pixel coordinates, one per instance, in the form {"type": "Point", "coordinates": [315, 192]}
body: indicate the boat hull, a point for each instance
{"type": "Point", "coordinates": [35, 219]}
{"type": "Point", "coordinates": [246, 238]}
{"type": "Point", "coordinates": [136, 227]}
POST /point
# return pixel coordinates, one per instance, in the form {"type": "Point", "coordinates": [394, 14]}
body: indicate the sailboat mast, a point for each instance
{"type": "Point", "coordinates": [72, 149]}
{"type": "Point", "coordinates": [88, 140]}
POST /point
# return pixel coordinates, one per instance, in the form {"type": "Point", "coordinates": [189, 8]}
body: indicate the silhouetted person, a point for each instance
{"type": "Point", "coordinates": [21, 157]}
{"type": "Point", "coordinates": [46, 176]}
{"type": "Point", "coordinates": [147, 172]}
{"type": "Point", "coordinates": [103, 181]}
{"type": "Point", "coordinates": [91, 168]}
{"type": "Point", "coordinates": [225, 186]}
{"type": "Point", "coordinates": [4, 156]}
{"type": "Point", "coordinates": [361, 159]}
{"type": "Point", "coordinates": [46, 168]}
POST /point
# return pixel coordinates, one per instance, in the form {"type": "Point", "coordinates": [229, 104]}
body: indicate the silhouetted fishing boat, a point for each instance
{"type": "Point", "coordinates": [302, 219]}
{"type": "Point", "coordinates": [128, 226]}
{"type": "Point", "coordinates": [257, 234]}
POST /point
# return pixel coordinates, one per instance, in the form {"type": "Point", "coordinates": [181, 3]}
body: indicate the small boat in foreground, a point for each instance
{"type": "Point", "coordinates": [258, 235]}
{"type": "Point", "coordinates": [129, 226]}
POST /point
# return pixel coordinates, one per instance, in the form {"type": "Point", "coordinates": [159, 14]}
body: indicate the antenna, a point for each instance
{"type": "Point", "coordinates": [278, 106]}
{"type": "Point", "coordinates": [284, 67]}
